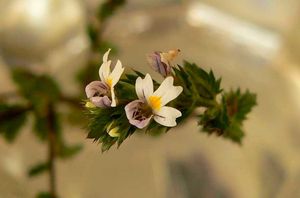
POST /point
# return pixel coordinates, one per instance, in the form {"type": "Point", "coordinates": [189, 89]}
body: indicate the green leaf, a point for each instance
{"type": "Point", "coordinates": [40, 126]}
{"type": "Point", "coordinates": [46, 121]}
{"type": "Point", "coordinates": [154, 129]}
{"type": "Point", "coordinates": [239, 104]}
{"type": "Point", "coordinates": [108, 8]}
{"type": "Point", "coordinates": [214, 120]}
{"type": "Point", "coordinates": [12, 118]}
{"type": "Point", "coordinates": [234, 132]}
{"type": "Point", "coordinates": [92, 33]}
{"type": "Point", "coordinates": [205, 82]}
{"type": "Point", "coordinates": [125, 91]}
{"type": "Point", "coordinates": [44, 195]}
{"type": "Point", "coordinates": [38, 89]}
{"type": "Point", "coordinates": [38, 169]}
{"type": "Point", "coordinates": [69, 151]}
{"type": "Point", "coordinates": [102, 120]}
{"type": "Point", "coordinates": [227, 118]}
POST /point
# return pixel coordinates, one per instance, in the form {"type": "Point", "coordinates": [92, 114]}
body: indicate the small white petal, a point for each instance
{"type": "Point", "coordinates": [171, 94]}
{"type": "Point", "coordinates": [144, 87]}
{"type": "Point", "coordinates": [104, 71]}
{"type": "Point", "coordinates": [165, 85]}
{"type": "Point", "coordinates": [105, 56]}
{"type": "Point", "coordinates": [116, 73]}
{"type": "Point", "coordinates": [167, 91]}
{"type": "Point", "coordinates": [167, 116]}
{"type": "Point", "coordinates": [113, 97]}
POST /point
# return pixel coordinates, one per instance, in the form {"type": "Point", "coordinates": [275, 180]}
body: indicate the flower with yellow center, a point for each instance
{"type": "Point", "coordinates": [152, 103]}
{"type": "Point", "coordinates": [101, 93]}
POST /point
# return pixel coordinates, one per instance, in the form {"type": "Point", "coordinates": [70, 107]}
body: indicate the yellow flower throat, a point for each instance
{"type": "Point", "coordinates": [155, 102]}
{"type": "Point", "coordinates": [109, 82]}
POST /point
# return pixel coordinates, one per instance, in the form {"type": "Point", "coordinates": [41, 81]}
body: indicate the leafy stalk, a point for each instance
{"type": "Point", "coordinates": [223, 117]}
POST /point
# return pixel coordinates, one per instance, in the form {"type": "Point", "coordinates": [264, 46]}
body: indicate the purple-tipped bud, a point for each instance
{"type": "Point", "coordinates": [160, 61]}
{"type": "Point", "coordinates": [158, 65]}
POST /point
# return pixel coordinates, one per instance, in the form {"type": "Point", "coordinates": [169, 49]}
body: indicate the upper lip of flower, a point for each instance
{"type": "Point", "coordinates": [110, 78]}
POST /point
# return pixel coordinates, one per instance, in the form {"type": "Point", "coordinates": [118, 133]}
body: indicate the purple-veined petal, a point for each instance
{"type": "Point", "coordinates": [135, 116]}
{"type": "Point", "coordinates": [103, 102]}
{"type": "Point", "coordinates": [96, 88]}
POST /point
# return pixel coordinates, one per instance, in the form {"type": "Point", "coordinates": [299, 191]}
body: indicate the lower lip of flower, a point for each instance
{"type": "Point", "coordinates": [142, 112]}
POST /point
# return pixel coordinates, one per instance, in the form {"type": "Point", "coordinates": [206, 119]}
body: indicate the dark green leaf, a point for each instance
{"type": "Point", "coordinates": [38, 169]}
{"type": "Point", "coordinates": [92, 33]}
{"type": "Point", "coordinates": [227, 118]}
{"type": "Point", "coordinates": [45, 195]}
{"type": "Point", "coordinates": [69, 151]}
{"type": "Point", "coordinates": [239, 104]}
{"type": "Point", "coordinates": [108, 8]}
{"type": "Point", "coordinates": [45, 122]}
{"type": "Point", "coordinates": [38, 89]}
{"type": "Point", "coordinates": [103, 120]}
{"type": "Point", "coordinates": [40, 126]}
{"type": "Point", "coordinates": [205, 82]}
{"type": "Point", "coordinates": [12, 118]}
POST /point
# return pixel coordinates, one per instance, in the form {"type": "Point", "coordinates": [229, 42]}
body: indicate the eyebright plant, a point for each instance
{"type": "Point", "coordinates": [119, 107]}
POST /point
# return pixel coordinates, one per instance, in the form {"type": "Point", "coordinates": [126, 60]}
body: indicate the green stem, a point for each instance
{"type": "Point", "coordinates": [52, 151]}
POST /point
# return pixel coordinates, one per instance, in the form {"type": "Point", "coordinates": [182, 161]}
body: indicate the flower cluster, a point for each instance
{"type": "Point", "coordinates": [121, 104]}
{"type": "Point", "coordinates": [149, 103]}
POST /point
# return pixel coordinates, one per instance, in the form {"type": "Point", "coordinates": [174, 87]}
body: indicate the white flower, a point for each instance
{"type": "Point", "coordinates": [152, 103]}
{"type": "Point", "coordinates": [101, 93]}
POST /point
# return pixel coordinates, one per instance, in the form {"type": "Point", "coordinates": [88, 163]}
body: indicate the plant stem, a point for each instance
{"type": "Point", "coordinates": [52, 150]}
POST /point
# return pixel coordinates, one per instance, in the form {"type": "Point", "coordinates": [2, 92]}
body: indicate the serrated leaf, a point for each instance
{"type": "Point", "coordinates": [227, 119]}
{"type": "Point", "coordinates": [234, 132]}
{"type": "Point", "coordinates": [102, 120]}
{"type": "Point", "coordinates": [206, 83]}
{"type": "Point", "coordinates": [38, 169]}
{"type": "Point", "coordinates": [214, 120]}
{"type": "Point", "coordinates": [239, 104]}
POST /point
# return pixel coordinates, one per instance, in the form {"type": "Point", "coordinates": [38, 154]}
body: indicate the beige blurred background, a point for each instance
{"type": "Point", "coordinates": [254, 44]}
